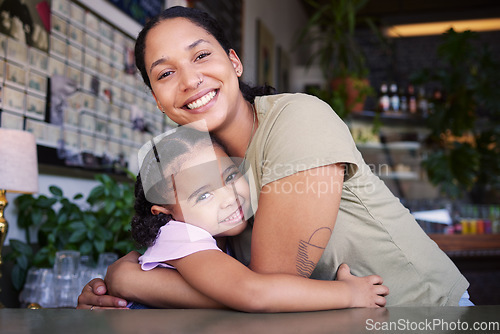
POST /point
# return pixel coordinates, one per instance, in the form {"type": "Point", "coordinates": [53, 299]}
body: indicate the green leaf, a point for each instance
{"type": "Point", "coordinates": [77, 236]}
{"type": "Point", "coordinates": [99, 245]}
{"type": "Point", "coordinates": [77, 196]}
{"type": "Point", "coordinates": [21, 247]}
{"type": "Point", "coordinates": [22, 262]}
{"type": "Point", "coordinates": [18, 275]}
{"type": "Point", "coordinates": [86, 247]}
{"type": "Point", "coordinates": [56, 191]}
{"type": "Point", "coordinates": [78, 226]}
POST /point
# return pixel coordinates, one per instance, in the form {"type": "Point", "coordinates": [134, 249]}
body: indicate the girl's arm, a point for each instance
{"type": "Point", "coordinates": [160, 287]}
{"type": "Point", "coordinates": [224, 279]}
{"type": "Point", "coordinates": [288, 221]}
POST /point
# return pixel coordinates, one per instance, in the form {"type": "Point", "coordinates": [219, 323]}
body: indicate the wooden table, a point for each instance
{"type": "Point", "coordinates": [383, 320]}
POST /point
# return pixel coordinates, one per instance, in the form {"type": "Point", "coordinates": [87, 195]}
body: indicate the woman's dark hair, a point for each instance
{"type": "Point", "coordinates": [204, 21]}
{"type": "Point", "coordinates": [144, 225]}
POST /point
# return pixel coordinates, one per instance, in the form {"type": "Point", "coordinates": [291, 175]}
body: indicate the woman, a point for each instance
{"type": "Point", "coordinates": [319, 203]}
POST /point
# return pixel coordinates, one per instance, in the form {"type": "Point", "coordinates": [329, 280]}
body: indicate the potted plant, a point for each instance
{"type": "Point", "coordinates": [100, 225]}
{"type": "Point", "coordinates": [330, 32]}
{"type": "Point", "coordinates": [464, 143]}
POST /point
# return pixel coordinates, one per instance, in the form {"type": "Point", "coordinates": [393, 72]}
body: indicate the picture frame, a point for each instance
{"type": "Point", "coordinates": [58, 46]}
{"type": "Point", "coordinates": [16, 51]}
{"type": "Point", "coordinates": [26, 21]}
{"type": "Point", "coordinates": [13, 99]}
{"type": "Point", "coordinates": [265, 55]}
{"type": "Point", "coordinates": [15, 75]}
{"type": "Point", "coordinates": [77, 13]}
{"type": "Point", "coordinates": [91, 23]}
{"type": "Point", "coordinates": [74, 74]}
{"type": "Point", "coordinates": [56, 67]}
{"type": "Point", "coordinates": [37, 83]}
{"type": "Point", "coordinates": [35, 107]}
{"type": "Point", "coordinates": [75, 35]}
{"type": "Point", "coordinates": [283, 82]}
{"type": "Point", "coordinates": [37, 128]}
{"type": "Point", "coordinates": [75, 55]}
{"type": "Point", "coordinates": [61, 7]}
{"type": "Point", "coordinates": [59, 25]}
{"type": "Point", "coordinates": [38, 60]}
{"type": "Point", "coordinates": [53, 135]}
{"type": "Point", "coordinates": [106, 31]}
{"type": "Point", "coordinates": [91, 43]}
{"type": "Point", "coordinates": [11, 121]}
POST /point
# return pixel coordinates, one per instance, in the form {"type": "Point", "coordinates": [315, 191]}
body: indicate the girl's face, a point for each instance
{"type": "Point", "coordinates": [192, 77]}
{"type": "Point", "coordinates": [211, 193]}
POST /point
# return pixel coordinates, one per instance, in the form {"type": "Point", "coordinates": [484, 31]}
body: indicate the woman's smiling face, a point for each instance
{"type": "Point", "coordinates": [192, 77]}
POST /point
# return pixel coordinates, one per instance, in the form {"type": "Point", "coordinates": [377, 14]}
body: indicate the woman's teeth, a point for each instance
{"type": "Point", "coordinates": [202, 100]}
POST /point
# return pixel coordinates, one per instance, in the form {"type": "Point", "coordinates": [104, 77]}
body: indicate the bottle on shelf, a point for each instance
{"type": "Point", "coordinates": [422, 103]}
{"type": "Point", "coordinates": [383, 99]}
{"type": "Point", "coordinates": [412, 99]}
{"type": "Point", "coordinates": [394, 98]}
{"type": "Point", "coordinates": [403, 100]}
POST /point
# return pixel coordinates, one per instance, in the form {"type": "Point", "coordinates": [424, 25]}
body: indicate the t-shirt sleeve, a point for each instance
{"type": "Point", "coordinates": [306, 133]}
{"type": "Point", "coordinates": [176, 240]}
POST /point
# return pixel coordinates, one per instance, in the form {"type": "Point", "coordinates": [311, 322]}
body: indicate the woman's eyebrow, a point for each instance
{"type": "Point", "coordinates": [189, 47]}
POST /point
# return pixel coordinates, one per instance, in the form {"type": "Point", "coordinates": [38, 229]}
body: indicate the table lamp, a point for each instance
{"type": "Point", "coordinates": [18, 171]}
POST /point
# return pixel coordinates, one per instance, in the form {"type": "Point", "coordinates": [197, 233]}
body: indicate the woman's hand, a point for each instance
{"type": "Point", "coordinates": [366, 291]}
{"type": "Point", "coordinates": [94, 296]}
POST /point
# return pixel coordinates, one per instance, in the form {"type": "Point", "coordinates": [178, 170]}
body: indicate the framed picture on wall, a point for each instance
{"type": "Point", "coordinates": [265, 55]}
{"type": "Point", "coordinates": [35, 107]}
{"type": "Point", "coordinates": [38, 60]}
{"type": "Point", "coordinates": [37, 83]}
{"type": "Point", "coordinates": [283, 82]}
{"type": "Point", "coordinates": [16, 51]}
{"type": "Point", "coordinates": [11, 121]}
{"type": "Point", "coordinates": [15, 75]}
{"type": "Point", "coordinates": [26, 21]}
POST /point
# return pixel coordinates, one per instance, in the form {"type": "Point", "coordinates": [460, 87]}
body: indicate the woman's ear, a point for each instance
{"type": "Point", "coordinates": [158, 105]}
{"type": "Point", "coordinates": [235, 60]}
{"type": "Point", "coordinates": [157, 209]}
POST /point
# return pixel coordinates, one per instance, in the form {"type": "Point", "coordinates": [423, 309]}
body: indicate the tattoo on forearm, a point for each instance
{"type": "Point", "coordinates": [304, 265]}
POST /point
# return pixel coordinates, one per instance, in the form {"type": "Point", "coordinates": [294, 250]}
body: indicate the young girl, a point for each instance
{"type": "Point", "coordinates": [188, 192]}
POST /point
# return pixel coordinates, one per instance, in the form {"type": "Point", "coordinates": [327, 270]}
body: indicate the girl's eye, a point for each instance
{"type": "Point", "coordinates": [203, 55]}
{"type": "Point", "coordinates": [203, 197]}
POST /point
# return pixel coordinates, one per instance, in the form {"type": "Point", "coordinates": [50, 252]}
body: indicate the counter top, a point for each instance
{"type": "Point", "coordinates": [478, 319]}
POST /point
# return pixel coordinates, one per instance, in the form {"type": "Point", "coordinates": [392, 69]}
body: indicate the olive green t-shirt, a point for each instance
{"type": "Point", "coordinates": [374, 233]}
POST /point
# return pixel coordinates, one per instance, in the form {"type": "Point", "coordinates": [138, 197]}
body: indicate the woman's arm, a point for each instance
{"type": "Point", "coordinates": [294, 221]}
{"type": "Point", "coordinates": [226, 280]}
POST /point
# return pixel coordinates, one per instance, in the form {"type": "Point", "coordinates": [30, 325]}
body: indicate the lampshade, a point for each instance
{"type": "Point", "coordinates": [18, 161]}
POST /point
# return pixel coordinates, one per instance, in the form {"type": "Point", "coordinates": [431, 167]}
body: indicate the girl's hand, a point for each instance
{"type": "Point", "coordinates": [366, 291]}
{"type": "Point", "coordinates": [94, 296]}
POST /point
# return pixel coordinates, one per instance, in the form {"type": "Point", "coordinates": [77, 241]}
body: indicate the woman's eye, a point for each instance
{"type": "Point", "coordinates": [232, 177]}
{"type": "Point", "coordinates": [164, 74]}
{"type": "Point", "coordinates": [203, 55]}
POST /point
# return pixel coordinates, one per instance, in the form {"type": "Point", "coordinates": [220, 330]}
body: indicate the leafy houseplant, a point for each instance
{"type": "Point", "coordinates": [102, 226]}
{"type": "Point", "coordinates": [331, 29]}
{"type": "Point", "coordinates": [465, 123]}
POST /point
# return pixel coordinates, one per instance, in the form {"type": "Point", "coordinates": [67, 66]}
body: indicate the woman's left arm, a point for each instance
{"type": "Point", "coordinates": [294, 221]}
